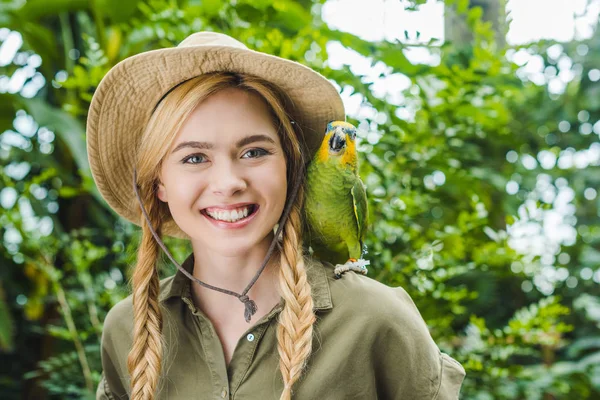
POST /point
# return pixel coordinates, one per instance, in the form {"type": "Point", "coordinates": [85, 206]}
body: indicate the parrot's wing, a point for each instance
{"type": "Point", "coordinates": [359, 200]}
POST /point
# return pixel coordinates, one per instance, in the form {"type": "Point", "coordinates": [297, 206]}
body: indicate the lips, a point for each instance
{"type": "Point", "coordinates": [231, 216]}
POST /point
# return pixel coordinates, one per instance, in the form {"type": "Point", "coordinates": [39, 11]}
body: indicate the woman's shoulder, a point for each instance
{"type": "Point", "coordinates": [385, 322]}
{"type": "Point", "coordinates": [117, 337]}
{"type": "Point", "coordinates": [357, 293]}
{"type": "Point", "coordinates": [377, 311]}
{"type": "Point", "coordinates": [119, 319]}
{"type": "Point", "coordinates": [385, 312]}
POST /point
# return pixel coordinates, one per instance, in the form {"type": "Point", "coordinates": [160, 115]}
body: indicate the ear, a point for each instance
{"type": "Point", "coordinates": [162, 192]}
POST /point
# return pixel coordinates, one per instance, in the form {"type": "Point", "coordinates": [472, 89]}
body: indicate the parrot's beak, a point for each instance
{"type": "Point", "coordinates": [337, 141]}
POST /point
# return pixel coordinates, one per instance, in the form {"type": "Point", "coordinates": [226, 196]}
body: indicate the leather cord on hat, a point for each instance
{"type": "Point", "coordinates": [250, 305]}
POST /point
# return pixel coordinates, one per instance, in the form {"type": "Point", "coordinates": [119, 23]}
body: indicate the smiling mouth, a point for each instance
{"type": "Point", "coordinates": [235, 215]}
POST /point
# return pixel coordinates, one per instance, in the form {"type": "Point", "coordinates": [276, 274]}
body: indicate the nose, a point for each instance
{"type": "Point", "coordinates": [228, 179]}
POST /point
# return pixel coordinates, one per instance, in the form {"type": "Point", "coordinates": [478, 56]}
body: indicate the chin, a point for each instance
{"type": "Point", "coordinates": [229, 244]}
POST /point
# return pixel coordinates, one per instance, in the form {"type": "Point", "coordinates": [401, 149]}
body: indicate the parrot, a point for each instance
{"type": "Point", "coordinates": [335, 204]}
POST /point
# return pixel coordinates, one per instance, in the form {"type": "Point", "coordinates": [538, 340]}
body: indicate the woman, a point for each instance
{"type": "Point", "coordinates": [215, 138]}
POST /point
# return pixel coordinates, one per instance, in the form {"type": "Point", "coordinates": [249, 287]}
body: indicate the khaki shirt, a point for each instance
{"type": "Point", "coordinates": [370, 342]}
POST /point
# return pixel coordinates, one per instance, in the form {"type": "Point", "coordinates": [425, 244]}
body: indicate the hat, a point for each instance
{"type": "Point", "coordinates": [129, 92]}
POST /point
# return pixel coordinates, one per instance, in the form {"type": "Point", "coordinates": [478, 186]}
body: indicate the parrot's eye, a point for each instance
{"type": "Point", "coordinates": [351, 133]}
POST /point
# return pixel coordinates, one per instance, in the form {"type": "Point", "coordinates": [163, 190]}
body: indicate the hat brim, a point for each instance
{"type": "Point", "coordinates": [125, 99]}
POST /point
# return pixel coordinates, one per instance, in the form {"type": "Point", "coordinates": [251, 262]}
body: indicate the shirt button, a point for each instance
{"type": "Point", "coordinates": [250, 337]}
{"type": "Point", "coordinates": [224, 393]}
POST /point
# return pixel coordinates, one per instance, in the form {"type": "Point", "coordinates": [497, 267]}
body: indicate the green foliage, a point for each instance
{"type": "Point", "coordinates": [437, 159]}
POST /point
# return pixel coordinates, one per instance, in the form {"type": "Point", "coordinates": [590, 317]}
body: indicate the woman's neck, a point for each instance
{"type": "Point", "coordinates": [234, 273]}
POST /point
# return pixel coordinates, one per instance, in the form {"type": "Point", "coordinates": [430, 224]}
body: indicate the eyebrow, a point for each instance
{"type": "Point", "coordinates": [254, 138]}
{"type": "Point", "coordinates": [193, 144]}
{"type": "Point", "coordinates": [207, 146]}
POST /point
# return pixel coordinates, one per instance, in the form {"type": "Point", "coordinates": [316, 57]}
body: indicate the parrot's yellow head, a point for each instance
{"type": "Point", "coordinates": [339, 143]}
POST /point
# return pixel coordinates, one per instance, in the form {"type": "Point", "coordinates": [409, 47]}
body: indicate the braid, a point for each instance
{"type": "Point", "coordinates": [295, 328]}
{"type": "Point", "coordinates": [144, 360]}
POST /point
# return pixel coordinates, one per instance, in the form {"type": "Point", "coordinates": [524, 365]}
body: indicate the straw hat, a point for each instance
{"type": "Point", "coordinates": [126, 96]}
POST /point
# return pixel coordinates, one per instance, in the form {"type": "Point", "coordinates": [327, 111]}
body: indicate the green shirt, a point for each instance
{"type": "Point", "coordinates": [370, 342]}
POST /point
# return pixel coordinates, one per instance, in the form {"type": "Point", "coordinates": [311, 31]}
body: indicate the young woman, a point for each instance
{"type": "Point", "coordinates": [209, 141]}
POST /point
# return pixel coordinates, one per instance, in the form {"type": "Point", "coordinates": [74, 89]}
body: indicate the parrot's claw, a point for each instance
{"type": "Point", "coordinates": [352, 264]}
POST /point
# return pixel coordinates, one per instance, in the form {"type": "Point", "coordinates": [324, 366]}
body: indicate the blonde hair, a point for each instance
{"type": "Point", "coordinates": [295, 324]}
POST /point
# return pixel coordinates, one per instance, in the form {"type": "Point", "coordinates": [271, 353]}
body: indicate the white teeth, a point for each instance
{"type": "Point", "coordinates": [230, 215]}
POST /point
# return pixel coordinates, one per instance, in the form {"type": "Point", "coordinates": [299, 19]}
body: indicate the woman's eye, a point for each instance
{"type": "Point", "coordinates": [199, 157]}
{"type": "Point", "coordinates": [255, 153]}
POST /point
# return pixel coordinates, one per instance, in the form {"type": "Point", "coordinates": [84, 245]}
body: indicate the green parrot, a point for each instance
{"type": "Point", "coordinates": [335, 205]}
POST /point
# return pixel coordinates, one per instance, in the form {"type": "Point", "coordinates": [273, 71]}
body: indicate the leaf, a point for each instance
{"type": "Point", "coordinates": [6, 324]}
{"type": "Point", "coordinates": [33, 10]}
{"type": "Point", "coordinates": [70, 130]}
{"type": "Point", "coordinates": [72, 133]}
{"type": "Point", "coordinates": [117, 10]}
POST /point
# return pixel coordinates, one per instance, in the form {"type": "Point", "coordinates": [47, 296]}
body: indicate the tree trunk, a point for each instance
{"type": "Point", "coordinates": [456, 29]}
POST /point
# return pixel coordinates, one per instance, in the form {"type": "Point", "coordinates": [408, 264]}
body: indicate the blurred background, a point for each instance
{"type": "Point", "coordinates": [479, 141]}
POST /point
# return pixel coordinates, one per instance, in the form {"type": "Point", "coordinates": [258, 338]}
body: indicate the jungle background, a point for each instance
{"type": "Point", "coordinates": [482, 182]}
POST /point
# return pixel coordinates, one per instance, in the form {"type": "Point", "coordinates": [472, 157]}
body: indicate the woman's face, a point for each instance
{"type": "Point", "coordinates": [224, 178]}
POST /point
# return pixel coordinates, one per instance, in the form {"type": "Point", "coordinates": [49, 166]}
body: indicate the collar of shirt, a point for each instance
{"type": "Point", "coordinates": [180, 285]}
